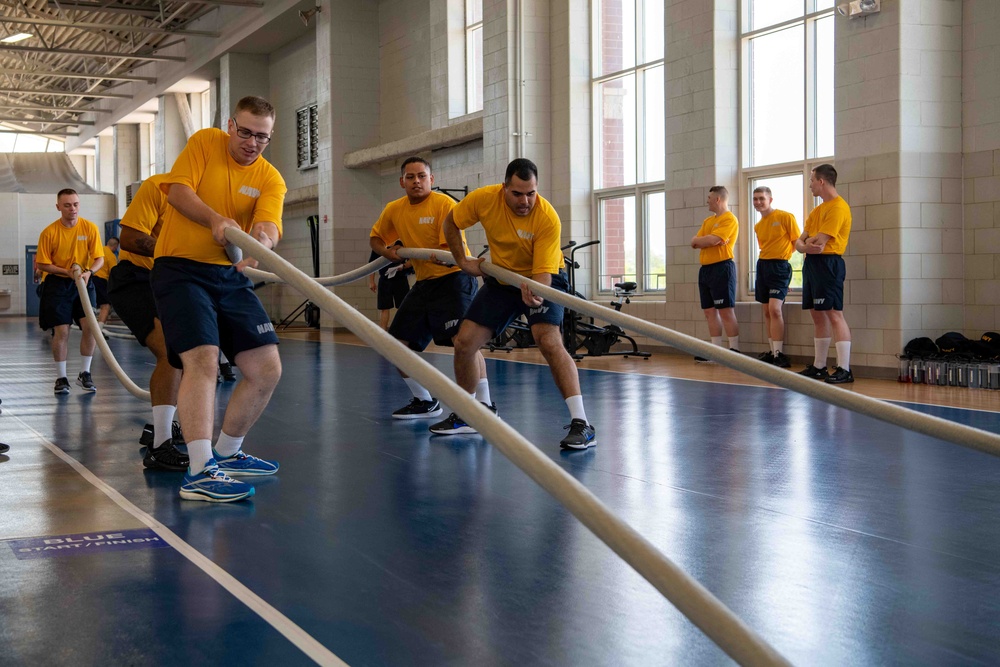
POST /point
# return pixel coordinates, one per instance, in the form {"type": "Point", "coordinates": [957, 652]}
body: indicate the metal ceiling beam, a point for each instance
{"type": "Point", "coordinates": [19, 107]}
{"type": "Point", "coordinates": [57, 133]}
{"type": "Point", "coordinates": [94, 54]}
{"type": "Point", "coordinates": [132, 9]}
{"type": "Point", "coordinates": [63, 93]}
{"type": "Point", "coordinates": [43, 121]}
{"type": "Point", "coordinates": [79, 75]}
{"type": "Point", "coordinates": [17, 20]}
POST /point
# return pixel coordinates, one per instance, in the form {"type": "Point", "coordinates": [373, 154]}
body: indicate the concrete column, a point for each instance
{"type": "Point", "coordinates": [126, 152]}
{"type": "Point", "coordinates": [242, 74]}
{"type": "Point", "coordinates": [170, 137]}
{"type": "Point", "coordinates": [701, 97]}
{"type": "Point", "coordinates": [347, 93]}
{"type": "Point", "coordinates": [106, 162]}
{"type": "Point", "coordinates": [570, 182]}
{"type": "Point", "coordinates": [981, 164]}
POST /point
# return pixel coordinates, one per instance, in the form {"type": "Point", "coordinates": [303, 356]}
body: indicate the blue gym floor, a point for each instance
{"type": "Point", "coordinates": [839, 539]}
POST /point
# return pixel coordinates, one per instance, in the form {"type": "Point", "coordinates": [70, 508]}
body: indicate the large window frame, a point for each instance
{"type": "Point", "coordinates": [642, 256]}
{"type": "Point", "coordinates": [751, 175]}
{"type": "Point", "coordinates": [473, 56]}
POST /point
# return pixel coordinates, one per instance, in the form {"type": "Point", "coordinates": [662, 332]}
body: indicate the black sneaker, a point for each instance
{"type": "Point", "coordinates": [146, 439]}
{"type": "Point", "coordinates": [811, 371]}
{"type": "Point", "coordinates": [165, 457]}
{"type": "Point", "coordinates": [840, 376]}
{"type": "Point", "coordinates": [226, 371]}
{"type": "Point", "coordinates": [62, 386]}
{"type": "Point", "coordinates": [703, 360]}
{"type": "Point", "coordinates": [419, 409]}
{"type": "Point", "coordinates": [581, 435]}
{"type": "Point", "coordinates": [455, 425]}
{"type": "Point", "coordinates": [781, 360]}
{"type": "Point", "coordinates": [85, 381]}
{"type": "Point", "coordinates": [766, 357]}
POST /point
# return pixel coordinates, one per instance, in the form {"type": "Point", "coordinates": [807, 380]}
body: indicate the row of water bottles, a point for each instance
{"type": "Point", "coordinates": [971, 374]}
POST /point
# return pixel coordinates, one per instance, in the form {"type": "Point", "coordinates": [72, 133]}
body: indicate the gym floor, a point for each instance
{"type": "Point", "coordinates": [837, 538]}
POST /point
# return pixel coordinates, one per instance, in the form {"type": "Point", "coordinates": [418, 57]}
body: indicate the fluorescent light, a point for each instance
{"type": "Point", "coordinates": [21, 36]}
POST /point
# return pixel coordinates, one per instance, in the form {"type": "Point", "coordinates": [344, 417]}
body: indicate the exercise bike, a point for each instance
{"type": "Point", "coordinates": [584, 334]}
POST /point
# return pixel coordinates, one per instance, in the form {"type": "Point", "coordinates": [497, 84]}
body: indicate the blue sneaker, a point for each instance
{"type": "Point", "coordinates": [242, 464]}
{"type": "Point", "coordinates": [214, 486]}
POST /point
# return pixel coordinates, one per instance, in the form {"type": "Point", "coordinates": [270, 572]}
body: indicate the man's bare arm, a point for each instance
{"type": "Point", "coordinates": [136, 242]}
{"type": "Point", "coordinates": [189, 204]}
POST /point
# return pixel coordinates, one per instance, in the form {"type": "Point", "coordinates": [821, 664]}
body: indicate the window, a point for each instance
{"type": "Point", "coordinates": [786, 107]}
{"type": "Point", "coordinates": [307, 142]}
{"type": "Point", "coordinates": [629, 141]}
{"type": "Point", "coordinates": [473, 55]}
{"type": "Point", "coordinates": [12, 141]}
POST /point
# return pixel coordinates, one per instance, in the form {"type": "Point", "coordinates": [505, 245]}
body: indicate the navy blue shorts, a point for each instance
{"type": "Point", "coordinates": [60, 302]}
{"type": "Point", "coordinates": [101, 290]}
{"type": "Point", "coordinates": [823, 282]}
{"type": "Point", "coordinates": [717, 285]}
{"type": "Point", "coordinates": [392, 291]}
{"type": "Point", "coordinates": [132, 298]}
{"type": "Point", "coordinates": [496, 305]}
{"type": "Point", "coordinates": [433, 310]}
{"type": "Point", "coordinates": [208, 304]}
{"type": "Point", "coordinates": [773, 278]}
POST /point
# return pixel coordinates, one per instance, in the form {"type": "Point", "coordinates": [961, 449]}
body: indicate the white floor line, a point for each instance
{"type": "Point", "coordinates": [296, 635]}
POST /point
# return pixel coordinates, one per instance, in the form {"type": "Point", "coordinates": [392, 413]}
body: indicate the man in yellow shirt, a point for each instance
{"type": "Point", "coordinates": [776, 233]}
{"type": "Point", "coordinates": [823, 242]}
{"type": "Point", "coordinates": [523, 232]}
{"type": "Point", "coordinates": [434, 306]}
{"type": "Point", "coordinates": [717, 276]}
{"type": "Point", "coordinates": [69, 242]}
{"type": "Point", "coordinates": [132, 297]}
{"type": "Point", "coordinates": [100, 281]}
{"type": "Point", "coordinates": [206, 303]}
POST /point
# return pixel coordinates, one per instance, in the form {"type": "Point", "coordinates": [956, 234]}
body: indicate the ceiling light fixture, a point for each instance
{"type": "Point", "coordinates": [19, 37]}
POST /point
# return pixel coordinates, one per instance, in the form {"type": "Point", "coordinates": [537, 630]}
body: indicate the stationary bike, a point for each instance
{"type": "Point", "coordinates": [596, 340]}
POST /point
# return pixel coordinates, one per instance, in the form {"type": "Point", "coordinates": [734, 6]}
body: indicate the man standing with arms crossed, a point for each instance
{"type": "Point", "coordinates": [523, 232]}
{"type": "Point", "coordinates": [434, 306]}
{"type": "Point", "coordinates": [717, 276]}
{"type": "Point", "coordinates": [132, 297]}
{"type": "Point", "coordinates": [70, 241]}
{"type": "Point", "coordinates": [205, 303]}
{"type": "Point", "coordinates": [776, 233]}
{"type": "Point", "coordinates": [823, 242]}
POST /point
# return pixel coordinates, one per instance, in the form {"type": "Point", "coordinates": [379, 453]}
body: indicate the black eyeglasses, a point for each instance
{"type": "Point", "coordinates": [244, 133]}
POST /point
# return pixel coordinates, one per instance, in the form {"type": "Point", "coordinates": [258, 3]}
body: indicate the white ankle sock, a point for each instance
{"type": "Point", "coordinates": [61, 368]}
{"type": "Point", "coordinates": [717, 340]}
{"type": "Point", "coordinates": [483, 392]}
{"type": "Point", "coordinates": [770, 345]}
{"type": "Point", "coordinates": [163, 423]}
{"type": "Point", "coordinates": [844, 354]}
{"type": "Point", "coordinates": [417, 389]}
{"type": "Point", "coordinates": [85, 364]}
{"type": "Point", "coordinates": [575, 405]}
{"type": "Point", "coordinates": [734, 342]}
{"type": "Point", "coordinates": [227, 445]}
{"type": "Point", "coordinates": [822, 348]}
{"type": "Point", "coordinates": [199, 453]}
{"type": "Point", "coordinates": [777, 346]}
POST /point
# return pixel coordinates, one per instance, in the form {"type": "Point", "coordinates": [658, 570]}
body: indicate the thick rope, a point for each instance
{"type": "Point", "coordinates": [690, 597]}
{"type": "Point", "coordinates": [102, 344]}
{"type": "Point", "coordinates": [936, 427]}
{"type": "Point", "coordinates": [329, 281]}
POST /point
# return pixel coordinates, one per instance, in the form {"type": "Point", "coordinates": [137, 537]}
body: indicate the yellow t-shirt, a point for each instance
{"type": "Point", "coordinates": [248, 195]}
{"type": "Point", "coordinates": [776, 235]}
{"type": "Point", "coordinates": [144, 214]}
{"type": "Point", "coordinates": [66, 246]}
{"type": "Point", "coordinates": [832, 218]}
{"type": "Point", "coordinates": [727, 228]}
{"type": "Point", "coordinates": [418, 226]}
{"type": "Point", "coordinates": [109, 263]}
{"type": "Point", "coordinates": [526, 245]}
